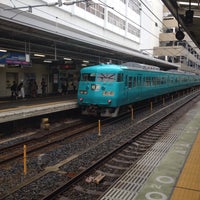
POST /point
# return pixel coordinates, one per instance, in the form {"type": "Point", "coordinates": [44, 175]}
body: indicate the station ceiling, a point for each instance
{"type": "Point", "coordinates": [22, 38]}
{"type": "Point", "coordinates": [187, 13]}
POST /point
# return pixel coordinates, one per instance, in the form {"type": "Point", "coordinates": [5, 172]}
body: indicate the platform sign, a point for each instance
{"type": "Point", "coordinates": [13, 58]}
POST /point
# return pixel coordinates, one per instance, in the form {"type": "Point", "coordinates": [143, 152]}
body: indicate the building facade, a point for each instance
{"type": "Point", "coordinates": [184, 53]}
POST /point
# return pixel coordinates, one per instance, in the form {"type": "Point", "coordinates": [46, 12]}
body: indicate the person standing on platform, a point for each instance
{"type": "Point", "coordinates": [20, 90]}
{"type": "Point", "coordinates": [34, 88]}
{"type": "Point", "coordinates": [63, 88]}
{"type": "Point", "coordinates": [43, 87]}
{"type": "Point", "coordinates": [13, 89]}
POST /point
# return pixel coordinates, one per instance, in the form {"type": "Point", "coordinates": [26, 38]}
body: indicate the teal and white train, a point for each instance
{"type": "Point", "coordinates": [104, 89]}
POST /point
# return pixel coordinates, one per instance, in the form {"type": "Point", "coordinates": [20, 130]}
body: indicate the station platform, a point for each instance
{"type": "Point", "coordinates": [11, 110]}
{"type": "Point", "coordinates": [169, 170]}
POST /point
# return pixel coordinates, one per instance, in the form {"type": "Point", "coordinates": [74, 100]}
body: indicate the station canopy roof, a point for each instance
{"type": "Point", "coordinates": [20, 37]}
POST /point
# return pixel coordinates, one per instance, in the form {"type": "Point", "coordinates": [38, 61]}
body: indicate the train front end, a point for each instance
{"type": "Point", "coordinates": [98, 90]}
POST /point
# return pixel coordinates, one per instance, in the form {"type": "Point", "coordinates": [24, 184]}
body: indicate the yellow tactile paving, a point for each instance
{"type": "Point", "coordinates": [183, 194]}
{"type": "Point", "coordinates": [188, 185]}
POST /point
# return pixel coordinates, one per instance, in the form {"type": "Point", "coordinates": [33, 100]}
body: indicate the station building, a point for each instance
{"type": "Point", "coordinates": [53, 40]}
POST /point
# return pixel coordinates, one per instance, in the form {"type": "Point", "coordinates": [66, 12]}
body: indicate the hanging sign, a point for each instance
{"type": "Point", "coordinates": [13, 58]}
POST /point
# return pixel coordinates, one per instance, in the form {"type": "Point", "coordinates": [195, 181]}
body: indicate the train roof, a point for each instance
{"type": "Point", "coordinates": [110, 68]}
{"type": "Point", "coordinates": [103, 67]}
{"type": "Point", "coordinates": [139, 66]}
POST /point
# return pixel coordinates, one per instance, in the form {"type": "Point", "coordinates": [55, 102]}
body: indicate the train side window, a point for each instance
{"type": "Point", "coordinates": [130, 79]}
{"type": "Point", "coordinates": [148, 81]}
{"type": "Point", "coordinates": [154, 82]}
{"type": "Point", "coordinates": [163, 80]}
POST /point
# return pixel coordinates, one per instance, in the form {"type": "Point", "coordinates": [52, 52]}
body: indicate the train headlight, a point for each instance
{"type": "Point", "coordinates": [81, 99]}
{"type": "Point", "coordinates": [108, 93]}
{"type": "Point", "coordinates": [109, 101]}
{"type": "Point", "coordinates": [95, 87]}
{"type": "Point", "coordinates": [83, 92]}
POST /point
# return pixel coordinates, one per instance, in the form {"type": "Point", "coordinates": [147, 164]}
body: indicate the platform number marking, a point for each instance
{"type": "Point", "coordinates": [161, 181]}
{"type": "Point", "coordinates": [165, 179]}
{"type": "Point", "coordinates": [182, 149]}
{"type": "Point", "coordinates": [155, 196]}
{"type": "Point", "coordinates": [159, 195]}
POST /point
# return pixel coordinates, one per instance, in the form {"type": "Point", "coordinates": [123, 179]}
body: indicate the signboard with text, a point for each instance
{"type": "Point", "coordinates": [13, 58]}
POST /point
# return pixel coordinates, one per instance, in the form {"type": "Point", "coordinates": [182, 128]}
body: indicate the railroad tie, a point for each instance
{"type": "Point", "coordinates": [99, 178]}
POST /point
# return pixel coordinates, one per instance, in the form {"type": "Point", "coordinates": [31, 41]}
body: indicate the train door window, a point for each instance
{"type": "Point", "coordinates": [171, 80]}
{"type": "Point", "coordinates": [158, 80]}
{"type": "Point", "coordinates": [144, 81]}
{"type": "Point", "coordinates": [126, 80]}
{"type": "Point", "coordinates": [139, 80]}
{"type": "Point", "coordinates": [134, 81]}
{"type": "Point", "coordinates": [168, 80]}
{"type": "Point", "coordinates": [119, 77]}
{"type": "Point", "coordinates": [130, 79]}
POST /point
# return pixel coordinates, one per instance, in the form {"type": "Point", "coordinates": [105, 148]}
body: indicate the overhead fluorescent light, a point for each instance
{"type": "Point", "coordinates": [3, 50]}
{"type": "Point", "coordinates": [47, 61]}
{"type": "Point", "coordinates": [85, 61]}
{"type": "Point", "coordinates": [39, 55]}
{"type": "Point", "coordinates": [83, 65]}
{"type": "Point", "coordinates": [67, 58]}
{"type": "Point", "coordinates": [187, 3]}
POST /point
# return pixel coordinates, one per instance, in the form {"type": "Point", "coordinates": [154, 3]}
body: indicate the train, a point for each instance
{"type": "Point", "coordinates": [105, 89]}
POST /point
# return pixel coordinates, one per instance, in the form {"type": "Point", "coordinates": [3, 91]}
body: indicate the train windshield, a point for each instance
{"type": "Point", "coordinates": [88, 77]}
{"type": "Point", "coordinates": [106, 77]}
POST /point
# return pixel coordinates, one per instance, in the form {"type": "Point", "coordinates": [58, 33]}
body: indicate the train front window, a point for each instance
{"type": "Point", "coordinates": [103, 77]}
{"type": "Point", "coordinates": [88, 77]}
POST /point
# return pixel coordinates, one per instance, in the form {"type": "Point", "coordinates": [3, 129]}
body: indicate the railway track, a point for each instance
{"type": "Point", "coordinates": [106, 158]}
{"type": "Point", "coordinates": [43, 139]}
{"type": "Point", "coordinates": [46, 138]}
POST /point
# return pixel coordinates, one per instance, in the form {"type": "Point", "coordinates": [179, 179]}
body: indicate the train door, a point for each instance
{"type": "Point", "coordinates": [126, 87]}
{"type": "Point", "coordinates": [130, 89]}
{"type": "Point", "coordinates": [139, 84]}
